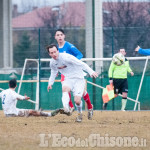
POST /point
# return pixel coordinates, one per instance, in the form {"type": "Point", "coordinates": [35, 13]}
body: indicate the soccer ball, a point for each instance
{"type": "Point", "coordinates": [118, 59]}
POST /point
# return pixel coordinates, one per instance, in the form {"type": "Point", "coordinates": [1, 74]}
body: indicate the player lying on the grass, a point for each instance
{"type": "Point", "coordinates": [72, 69]}
{"type": "Point", "coordinates": [142, 51]}
{"type": "Point", "coordinates": [118, 77]}
{"type": "Point", "coordinates": [66, 47]}
{"type": "Point", "coordinates": [9, 98]}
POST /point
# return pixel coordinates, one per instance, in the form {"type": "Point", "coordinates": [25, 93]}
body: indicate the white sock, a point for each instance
{"type": "Point", "coordinates": [49, 114]}
{"type": "Point", "coordinates": [79, 107]}
{"type": "Point", "coordinates": [45, 114]}
{"type": "Point", "coordinates": [65, 100]}
{"type": "Point", "coordinates": [124, 102]}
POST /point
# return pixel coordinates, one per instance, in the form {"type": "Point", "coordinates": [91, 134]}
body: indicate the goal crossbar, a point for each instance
{"type": "Point", "coordinates": [92, 59]}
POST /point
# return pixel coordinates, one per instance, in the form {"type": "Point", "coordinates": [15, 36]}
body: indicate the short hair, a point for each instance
{"type": "Point", "coordinates": [12, 83]}
{"type": "Point", "coordinates": [61, 30]}
{"type": "Point", "coordinates": [122, 48]}
{"type": "Point", "coordinates": [51, 46]}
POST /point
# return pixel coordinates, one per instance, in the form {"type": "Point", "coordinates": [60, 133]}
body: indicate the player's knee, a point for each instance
{"type": "Point", "coordinates": [124, 95]}
{"type": "Point", "coordinates": [78, 100]}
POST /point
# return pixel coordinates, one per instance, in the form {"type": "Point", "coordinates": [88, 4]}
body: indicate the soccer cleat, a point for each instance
{"type": "Point", "coordinates": [79, 118]}
{"type": "Point", "coordinates": [90, 113]}
{"type": "Point", "coordinates": [62, 111]}
{"type": "Point", "coordinates": [55, 112]}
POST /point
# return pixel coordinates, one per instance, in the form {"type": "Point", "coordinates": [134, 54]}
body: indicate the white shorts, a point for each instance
{"type": "Point", "coordinates": [76, 85]}
{"type": "Point", "coordinates": [19, 113]}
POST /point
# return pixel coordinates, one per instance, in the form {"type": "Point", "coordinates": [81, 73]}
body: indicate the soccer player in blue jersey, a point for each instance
{"type": "Point", "coordinates": [66, 47]}
{"type": "Point", "coordinates": [142, 51]}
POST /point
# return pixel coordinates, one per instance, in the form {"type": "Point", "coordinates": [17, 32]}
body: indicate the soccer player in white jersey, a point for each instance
{"type": "Point", "coordinates": [9, 98]}
{"type": "Point", "coordinates": [72, 69]}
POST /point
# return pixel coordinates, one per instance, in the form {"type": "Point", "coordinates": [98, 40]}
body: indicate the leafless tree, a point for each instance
{"type": "Point", "coordinates": [129, 22]}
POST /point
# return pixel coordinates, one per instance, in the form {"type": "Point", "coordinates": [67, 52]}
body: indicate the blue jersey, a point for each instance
{"type": "Point", "coordinates": [70, 49]}
{"type": "Point", "coordinates": [144, 51]}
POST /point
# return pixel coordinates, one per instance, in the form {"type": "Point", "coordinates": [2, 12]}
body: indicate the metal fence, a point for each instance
{"type": "Point", "coordinates": [30, 43]}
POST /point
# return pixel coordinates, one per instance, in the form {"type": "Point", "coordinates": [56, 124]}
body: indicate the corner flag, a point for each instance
{"type": "Point", "coordinates": [108, 93]}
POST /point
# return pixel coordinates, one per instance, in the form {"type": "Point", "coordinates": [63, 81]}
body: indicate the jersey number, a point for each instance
{"type": "Point", "coordinates": [3, 101]}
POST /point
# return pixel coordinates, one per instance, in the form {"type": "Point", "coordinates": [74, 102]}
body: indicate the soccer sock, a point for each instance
{"type": "Point", "coordinates": [65, 101]}
{"type": "Point", "coordinates": [86, 97]}
{"type": "Point", "coordinates": [105, 106]}
{"type": "Point", "coordinates": [45, 114]}
{"type": "Point", "coordinates": [70, 101]}
{"type": "Point", "coordinates": [79, 107]}
{"type": "Point", "coordinates": [124, 102]}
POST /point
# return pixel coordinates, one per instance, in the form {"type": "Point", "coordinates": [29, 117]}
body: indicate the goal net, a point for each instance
{"type": "Point", "coordinates": [34, 81]}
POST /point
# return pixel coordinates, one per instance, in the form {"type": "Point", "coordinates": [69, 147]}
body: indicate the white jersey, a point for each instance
{"type": "Point", "coordinates": [9, 98]}
{"type": "Point", "coordinates": [69, 66]}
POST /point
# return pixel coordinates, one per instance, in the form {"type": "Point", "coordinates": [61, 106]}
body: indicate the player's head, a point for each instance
{"type": "Point", "coordinates": [60, 35]}
{"type": "Point", "coordinates": [122, 51]}
{"type": "Point", "coordinates": [13, 83]}
{"type": "Point", "coordinates": [53, 51]}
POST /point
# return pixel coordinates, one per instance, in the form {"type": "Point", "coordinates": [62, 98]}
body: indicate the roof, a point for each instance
{"type": "Point", "coordinates": [72, 13]}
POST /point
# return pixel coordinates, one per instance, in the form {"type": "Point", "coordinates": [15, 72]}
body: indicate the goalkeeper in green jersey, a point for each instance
{"type": "Point", "coordinates": [118, 77]}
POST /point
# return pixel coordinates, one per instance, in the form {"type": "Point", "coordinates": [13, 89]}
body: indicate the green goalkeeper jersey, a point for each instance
{"type": "Point", "coordinates": [119, 72]}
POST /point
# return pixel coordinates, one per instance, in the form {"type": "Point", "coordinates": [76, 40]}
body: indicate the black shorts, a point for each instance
{"type": "Point", "coordinates": [120, 85]}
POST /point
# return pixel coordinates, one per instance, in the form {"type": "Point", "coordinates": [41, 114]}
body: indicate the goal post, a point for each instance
{"type": "Point", "coordinates": [37, 81]}
{"type": "Point", "coordinates": [142, 63]}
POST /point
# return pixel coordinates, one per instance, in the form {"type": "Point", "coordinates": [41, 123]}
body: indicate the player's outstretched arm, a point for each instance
{"type": "Point", "coordinates": [20, 97]}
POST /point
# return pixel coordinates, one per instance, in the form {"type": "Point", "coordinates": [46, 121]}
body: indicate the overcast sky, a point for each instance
{"type": "Point", "coordinates": [23, 4]}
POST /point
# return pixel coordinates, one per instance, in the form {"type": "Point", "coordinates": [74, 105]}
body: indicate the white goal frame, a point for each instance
{"type": "Point", "coordinates": [136, 101]}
